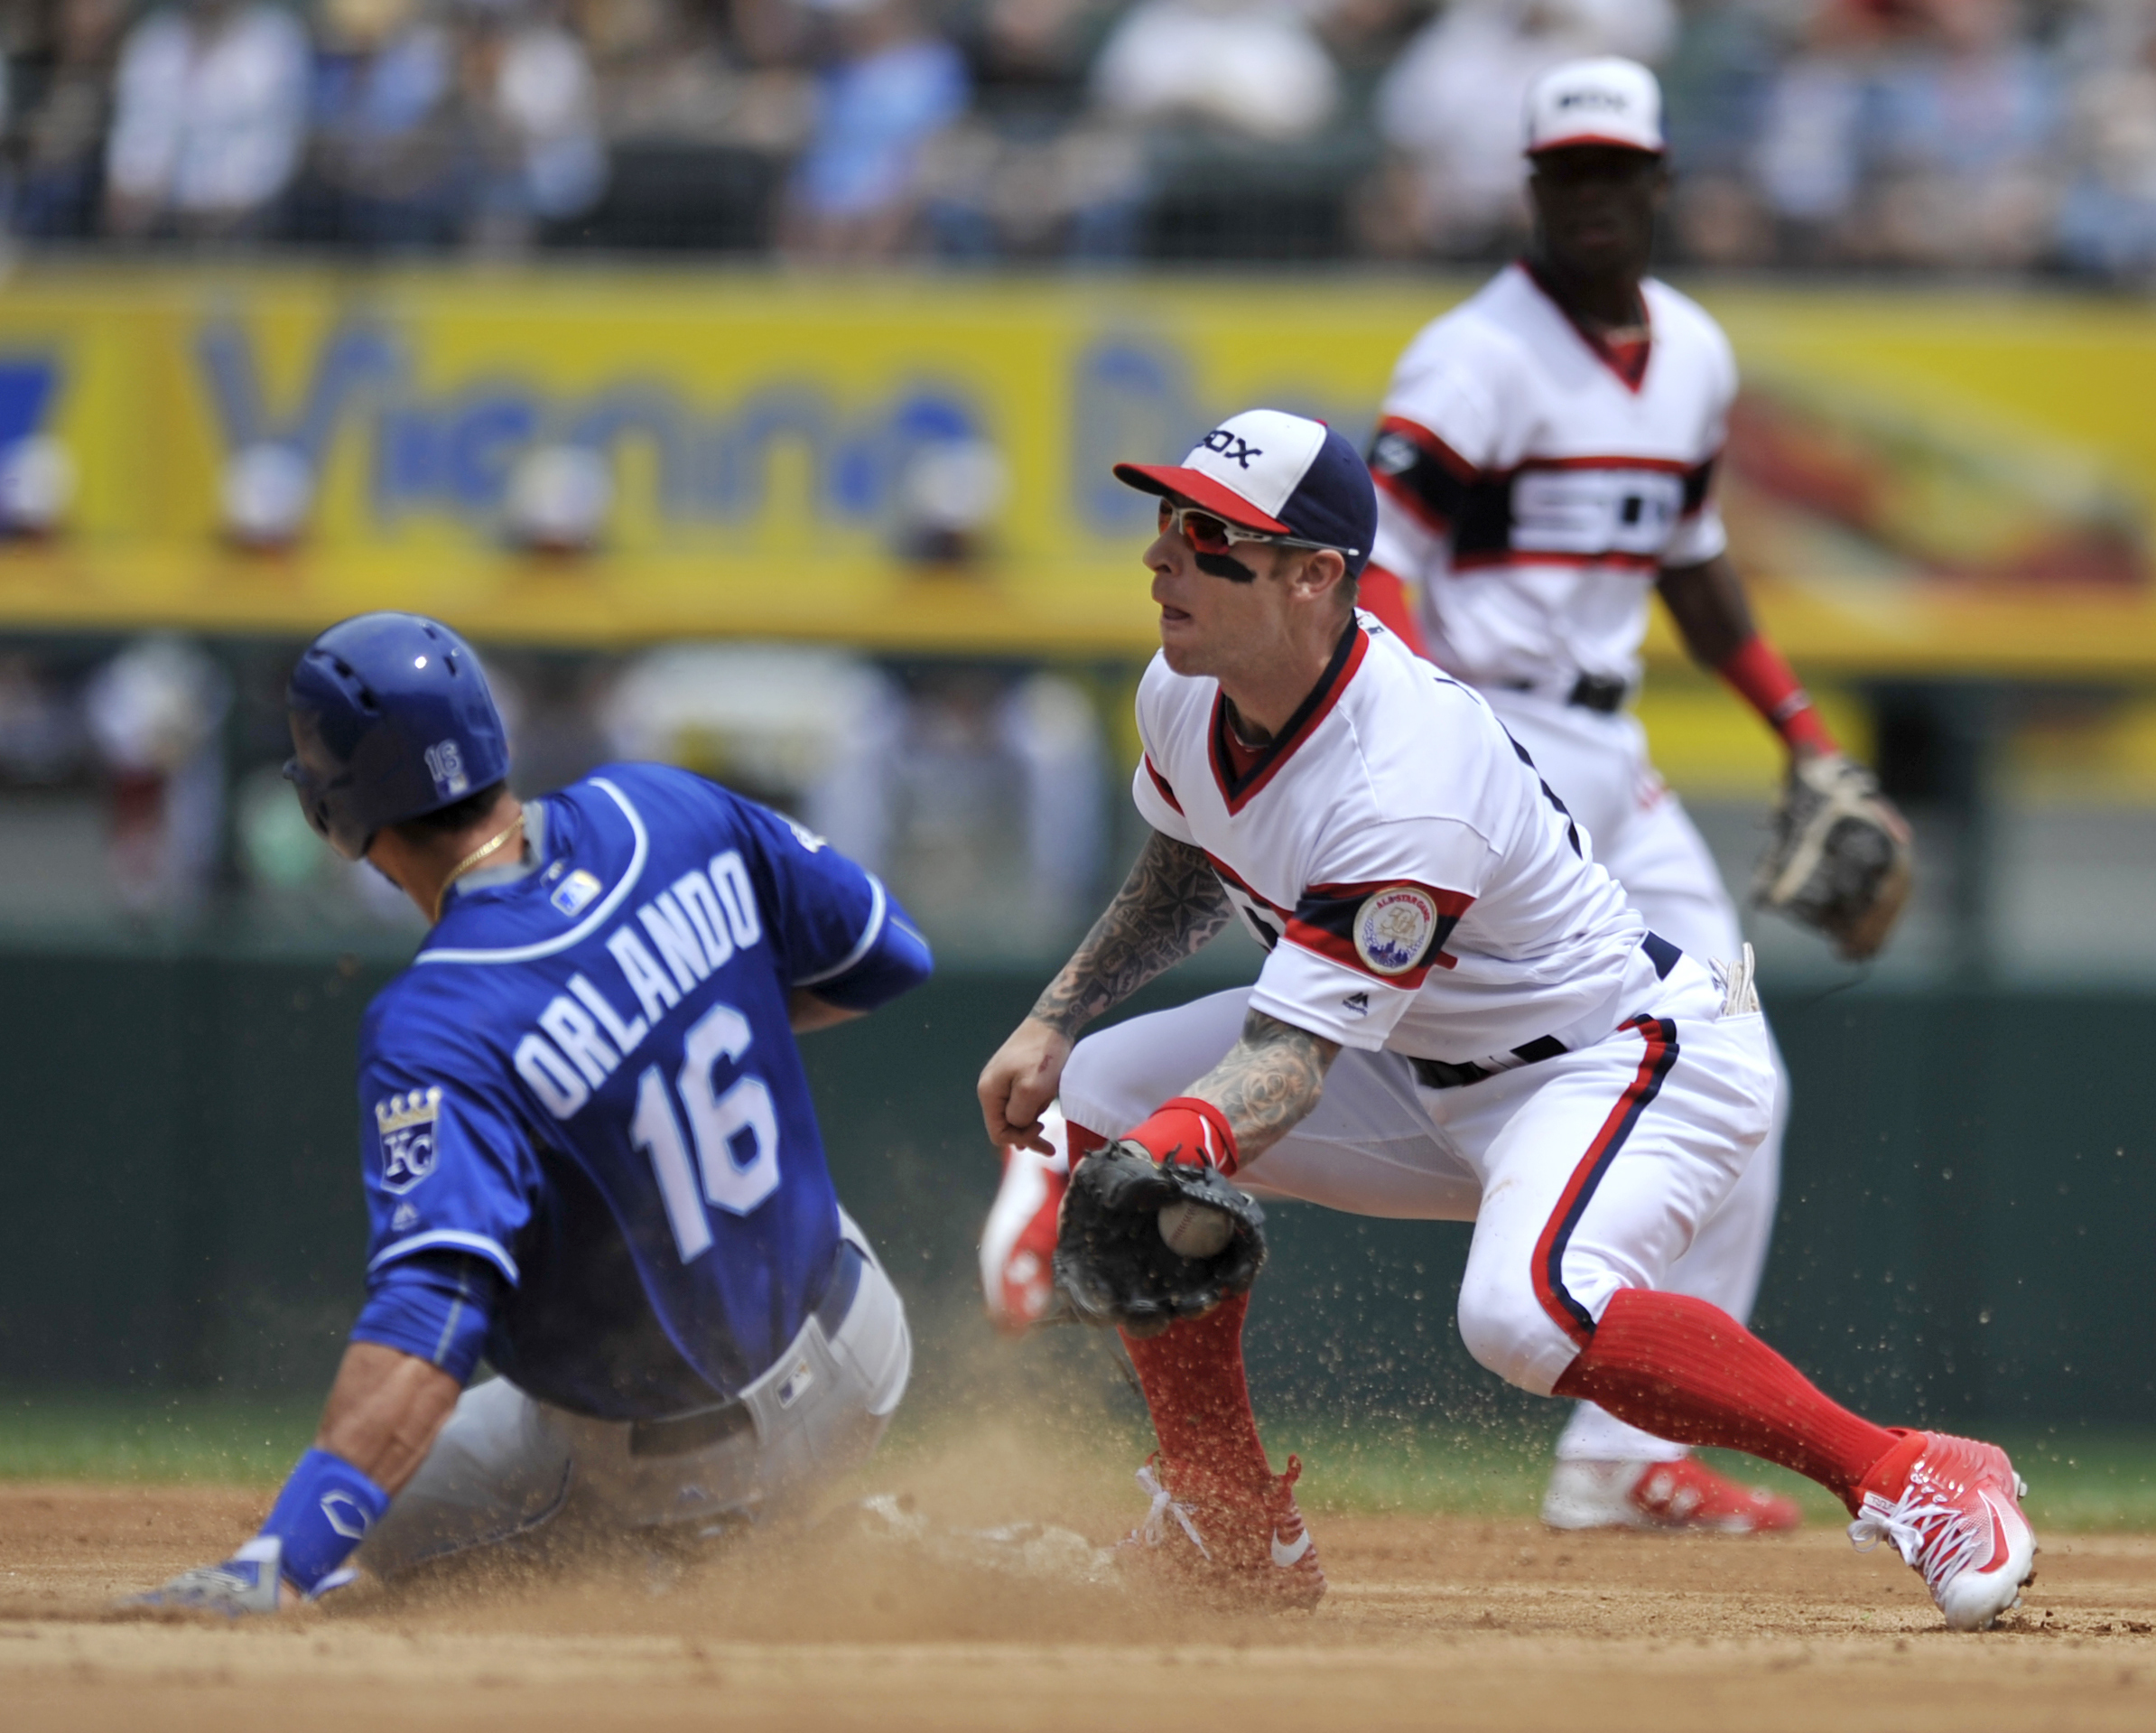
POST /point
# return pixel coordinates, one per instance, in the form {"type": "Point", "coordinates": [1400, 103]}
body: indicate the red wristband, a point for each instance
{"type": "Point", "coordinates": [1771, 687]}
{"type": "Point", "coordinates": [1190, 1132]}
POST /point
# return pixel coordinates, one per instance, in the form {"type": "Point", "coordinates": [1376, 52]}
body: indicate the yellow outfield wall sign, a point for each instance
{"type": "Point", "coordinates": [1916, 481]}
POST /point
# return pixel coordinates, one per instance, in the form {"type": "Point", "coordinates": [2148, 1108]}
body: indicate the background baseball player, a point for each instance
{"type": "Point", "coordinates": [1459, 1015]}
{"type": "Point", "coordinates": [588, 1149]}
{"type": "Point", "coordinates": [1546, 451]}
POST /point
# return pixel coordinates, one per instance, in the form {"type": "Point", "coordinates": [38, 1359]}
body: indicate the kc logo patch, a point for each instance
{"type": "Point", "coordinates": [1232, 446]}
{"type": "Point", "coordinates": [1393, 928]}
{"type": "Point", "coordinates": [405, 1125]}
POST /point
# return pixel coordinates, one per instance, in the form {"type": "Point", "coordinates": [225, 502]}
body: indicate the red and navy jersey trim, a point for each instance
{"type": "Point", "coordinates": [1325, 922]}
{"type": "Point", "coordinates": [1476, 508]}
{"type": "Point", "coordinates": [1575, 1320]}
{"type": "Point", "coordinates": [1265, 931]}
{"type": "Point", "coordinates": [1420, 471]}
{"type": "Point", "coordinates": [1161, 783]}
{"type": "Point", "coordinates": [1239, 790]}
{"type": "Point", "coordinates": [1699, 482]}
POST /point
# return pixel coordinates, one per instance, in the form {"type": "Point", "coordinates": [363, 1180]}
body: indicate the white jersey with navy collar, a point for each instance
{"type": "Point", "coordinates": [1528, 492]}
{"type": "Point", "coordinates": [1416, 884]}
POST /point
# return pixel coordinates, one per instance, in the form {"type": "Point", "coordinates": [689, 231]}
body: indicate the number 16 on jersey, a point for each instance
{"type": "Point", "coordinates": [735, 1133]}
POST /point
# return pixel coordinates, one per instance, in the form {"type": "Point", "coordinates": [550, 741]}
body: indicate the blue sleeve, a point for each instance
{"type": "Point", "coordinates": [446, 1168]}
{"type": "Point", "coordinates": [844, 936]}
{"type": "Point", "coordinates": [435, 1306]}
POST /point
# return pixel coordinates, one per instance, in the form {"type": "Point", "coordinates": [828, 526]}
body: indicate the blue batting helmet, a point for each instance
{"type": "Point", "coordinates": [391, 719]}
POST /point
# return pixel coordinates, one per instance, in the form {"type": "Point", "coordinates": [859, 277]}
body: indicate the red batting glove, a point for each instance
{"type": "Point", "coordinates": [1189, 1132]}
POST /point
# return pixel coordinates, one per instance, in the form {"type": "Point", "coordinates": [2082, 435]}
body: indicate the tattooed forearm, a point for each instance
{"type": "Point", "coordinates": [1268, 1081]}
{"type": "Point", "coordinates": [1170, 905]}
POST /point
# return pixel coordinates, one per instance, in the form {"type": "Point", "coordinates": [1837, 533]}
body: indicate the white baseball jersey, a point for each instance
{"type": "Point", "coordinates": [1528, 491]}
{"type": "Point", "coordinates": [1416, 882]}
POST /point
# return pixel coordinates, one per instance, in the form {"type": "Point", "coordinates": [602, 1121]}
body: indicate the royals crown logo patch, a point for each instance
{"type": "Point", "coordinates": [1393, 928]}
{"type": "Point", "coordinates": [405, 1125]}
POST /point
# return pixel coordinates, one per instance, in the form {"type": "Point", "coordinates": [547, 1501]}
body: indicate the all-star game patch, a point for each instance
{"type": "Point", "coordinates": [1393, 928]}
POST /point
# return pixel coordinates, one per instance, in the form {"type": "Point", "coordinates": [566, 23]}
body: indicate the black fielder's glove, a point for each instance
{"type": "Point", "coordinates": [1841, 859]}
{"type": "Point", "coordinates": [1115, 1267]}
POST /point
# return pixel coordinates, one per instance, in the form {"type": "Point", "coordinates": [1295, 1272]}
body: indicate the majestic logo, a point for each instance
{"type": "Point", "coordinates": [574, 895]}
{"type": "Point", "coordinates": [405, 1125]}
{"type": "Point", "coordinates": [1358, 1002]}
{"type": "Point", "coordinates": [803, 835]}
{"type": "Point", "coordinates": [445, 764]}
{"type": "Point", "coordinates": [1393, 928]}
{"type": "Point", "coordinates": [1232, 446]}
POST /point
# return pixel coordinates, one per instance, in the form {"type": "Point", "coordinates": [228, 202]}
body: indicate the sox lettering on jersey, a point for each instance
{"type": "Point", "coordinates": [1525, 488]}
{"type": "Point", "coordinates": [1603, 511]}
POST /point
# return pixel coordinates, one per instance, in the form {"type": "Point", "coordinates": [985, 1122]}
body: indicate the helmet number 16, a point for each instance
{"type": "Point", "coordinates": [736, 1131]}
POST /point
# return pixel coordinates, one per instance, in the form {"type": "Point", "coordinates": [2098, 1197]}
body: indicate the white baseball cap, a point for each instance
{"type": "Point", "coordinates": [1609, 101]}
{"type": "Point", "coordinates": [1284, 474]}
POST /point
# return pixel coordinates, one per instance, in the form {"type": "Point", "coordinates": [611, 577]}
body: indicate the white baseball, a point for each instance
{"type": "Point", "coordinates": [1195, 1230]}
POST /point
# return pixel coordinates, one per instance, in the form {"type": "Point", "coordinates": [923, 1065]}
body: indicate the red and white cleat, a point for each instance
{"type": "Point", "coordinates": [1684, 1494]}
{"type": "Point", "coordinates": [1952, 1506]}
{"type": "Point", "coordinates": [1246, 1549]}
{"type": "Point", "coordinates": [1017, 1244]}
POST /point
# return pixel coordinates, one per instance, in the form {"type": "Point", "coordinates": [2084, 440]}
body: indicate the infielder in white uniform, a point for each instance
{"type": "Point", "coordinates": [1546, 452]}
{"type": "Point", "coordinates": [1459, 1016]}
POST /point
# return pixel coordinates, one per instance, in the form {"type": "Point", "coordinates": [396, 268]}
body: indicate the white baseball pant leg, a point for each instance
{"type": "Point", "coordinates": [1640, 832]}
{"type": "Point", "coordinates": [1587, 1173]}
{"type": "Point", "coordinates": [507, 1464]}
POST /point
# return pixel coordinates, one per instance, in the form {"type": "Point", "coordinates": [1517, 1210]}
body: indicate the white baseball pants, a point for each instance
{"type": "Point", "coordinates": [507, 1464]}
{"type": "Point", "coordinates": [1600, 768]}
{"type": "Point", "coordinates": [1592, 1171]}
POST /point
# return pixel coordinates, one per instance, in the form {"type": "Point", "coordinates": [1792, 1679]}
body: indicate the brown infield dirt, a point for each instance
{"type": "Point", "coordinates": [1431, 1621]}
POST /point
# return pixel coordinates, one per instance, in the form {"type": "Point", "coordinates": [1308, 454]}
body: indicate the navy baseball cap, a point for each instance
{"type": "Point", "coordinates": [391, 719]}
{"type": "Point", "coordinates": [1284, 474]}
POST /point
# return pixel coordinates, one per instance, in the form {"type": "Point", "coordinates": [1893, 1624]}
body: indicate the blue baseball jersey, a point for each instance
{"type": "Point", "coordinates": [587, 1078]}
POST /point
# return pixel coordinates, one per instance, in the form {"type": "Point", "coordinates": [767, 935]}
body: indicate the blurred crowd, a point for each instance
{"type": "Point", "coordinates": [144, 779]}
{"type": "Point", "coordinates": [1852, 134]}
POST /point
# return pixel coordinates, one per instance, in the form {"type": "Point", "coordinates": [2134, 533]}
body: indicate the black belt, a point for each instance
{"type": "Point", "coordinates": [705, 1427]}
{"type": "Point", "coordinates": [1594, 692]}
{"type": "Point", "coordinates": [1444, 1074]}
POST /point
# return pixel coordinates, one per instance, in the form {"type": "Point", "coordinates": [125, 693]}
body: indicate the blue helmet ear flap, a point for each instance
{"type": "Point", "coordinates": [391, 719]}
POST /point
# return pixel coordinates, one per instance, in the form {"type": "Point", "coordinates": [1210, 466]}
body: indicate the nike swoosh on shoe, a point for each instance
{"type": "Point", "coordinates": [1286, 1557]}
{"type": "Point", "coordinates": [1999, 1549]}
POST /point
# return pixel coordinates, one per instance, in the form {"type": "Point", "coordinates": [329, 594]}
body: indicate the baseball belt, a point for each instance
{"type": "Point", "coordinates": [702, 1428]}
{"type": "Point", "coordinates": [1449, 1074]}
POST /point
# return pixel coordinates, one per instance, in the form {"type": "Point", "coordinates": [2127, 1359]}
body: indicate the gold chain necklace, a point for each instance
{"type": "Point", "coordinates": [474, 858]}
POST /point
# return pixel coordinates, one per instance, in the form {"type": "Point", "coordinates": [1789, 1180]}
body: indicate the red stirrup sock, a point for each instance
{"type": "Point", "coordinates": [1193, 1382]}
{"type": "Point", "coordinates": [1688, 1372]}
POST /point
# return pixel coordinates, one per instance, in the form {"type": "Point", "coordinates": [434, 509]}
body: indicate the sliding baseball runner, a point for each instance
{"type": "Point", "coordinates": [588, 1149]}
{"type": "Point", "coordinates": [1460, 1016]}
